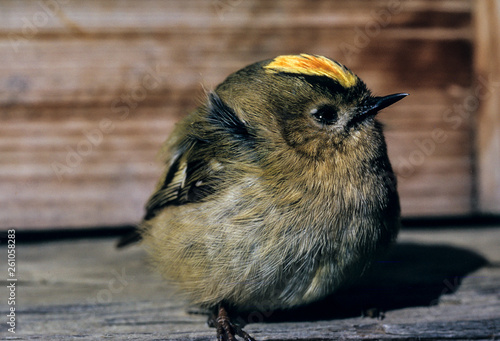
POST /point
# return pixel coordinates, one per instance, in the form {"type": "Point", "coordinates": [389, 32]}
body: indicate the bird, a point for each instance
{"type": "Point", "coordinates": [276, 191]}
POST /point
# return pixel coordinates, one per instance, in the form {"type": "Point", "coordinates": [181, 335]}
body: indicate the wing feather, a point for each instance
{"type": "Point", "coordinates": [191, 175]}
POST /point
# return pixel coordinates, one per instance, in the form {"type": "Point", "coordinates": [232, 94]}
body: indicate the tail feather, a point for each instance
{"type": "Point", "coordinates": [128, 239]}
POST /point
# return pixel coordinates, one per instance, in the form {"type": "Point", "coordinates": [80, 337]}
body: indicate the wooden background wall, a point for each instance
{"type": "Point", "coordinates": [90, 89]}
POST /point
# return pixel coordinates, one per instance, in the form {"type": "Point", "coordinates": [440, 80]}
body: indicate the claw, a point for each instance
{"type": "Point", "coordinates": [226, 330]}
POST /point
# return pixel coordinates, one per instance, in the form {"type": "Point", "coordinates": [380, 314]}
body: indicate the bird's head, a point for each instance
{"type": "Point", "coordinates": [311, 103]}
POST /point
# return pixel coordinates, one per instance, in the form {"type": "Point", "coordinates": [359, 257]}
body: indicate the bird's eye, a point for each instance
{"type": "Point", "coordinates": [326, 114]}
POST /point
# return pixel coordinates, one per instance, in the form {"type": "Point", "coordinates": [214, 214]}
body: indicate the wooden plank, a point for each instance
{"type": "Point", "coordinates": [70, 17]}
{"type": "Point", "coordinates": [151, 70]}
{"type": "Point", "coordinates": [488, 120]}
{"type": "Point", "coordinates": [435, 285]}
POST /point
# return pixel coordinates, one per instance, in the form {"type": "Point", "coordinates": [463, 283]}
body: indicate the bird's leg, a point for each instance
{"type": "Point", "coordinates": [224, 325]}
{"type": "Point", "coordinates": [226, 330]}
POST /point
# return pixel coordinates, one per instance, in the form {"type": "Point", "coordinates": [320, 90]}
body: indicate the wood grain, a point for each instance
{"type": "Point", "coordinates": [487, 64]}
{"type": "Point", "coordinates": [89, 92]}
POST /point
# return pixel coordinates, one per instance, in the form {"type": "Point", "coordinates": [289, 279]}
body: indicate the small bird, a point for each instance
{"type": "Point", "coordinates": [277, 190]}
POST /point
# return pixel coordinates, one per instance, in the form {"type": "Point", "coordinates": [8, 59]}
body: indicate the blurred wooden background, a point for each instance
{"type": "Point", "coordinates": [90, 89]}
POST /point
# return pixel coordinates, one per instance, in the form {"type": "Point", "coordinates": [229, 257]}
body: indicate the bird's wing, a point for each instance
{"type": "Point", "coordinates": [194, 171]}
{"type": "Point", "coordinates": [189, 178]}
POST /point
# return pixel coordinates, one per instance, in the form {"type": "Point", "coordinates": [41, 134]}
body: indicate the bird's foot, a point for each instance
{"type": "Point", "coordinates": [226, 330]}
{"type": "Point", "coordinates": [373, 313]}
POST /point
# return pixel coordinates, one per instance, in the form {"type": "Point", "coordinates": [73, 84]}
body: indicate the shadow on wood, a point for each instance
{"type": "Point", "coordinates": [411, 275]}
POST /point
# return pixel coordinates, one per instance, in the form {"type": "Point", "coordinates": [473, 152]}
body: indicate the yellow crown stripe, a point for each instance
{"type": "Point", "coordinates": [310, 65]}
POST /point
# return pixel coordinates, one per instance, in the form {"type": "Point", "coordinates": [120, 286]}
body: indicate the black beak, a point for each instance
{"type": "Point", "coordinates": [375, 104]}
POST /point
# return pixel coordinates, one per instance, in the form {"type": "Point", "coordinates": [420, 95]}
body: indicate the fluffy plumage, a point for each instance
{"type": "Point", "coordinates": [277, 190]}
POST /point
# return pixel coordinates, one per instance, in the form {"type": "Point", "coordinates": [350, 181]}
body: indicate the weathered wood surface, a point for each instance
{"type": "Point", "coordinates": [487, 63]}
{"type": "Point", "coordinates": [434, 285]}
{"type": "Point", "coordinates": [89, 90]}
